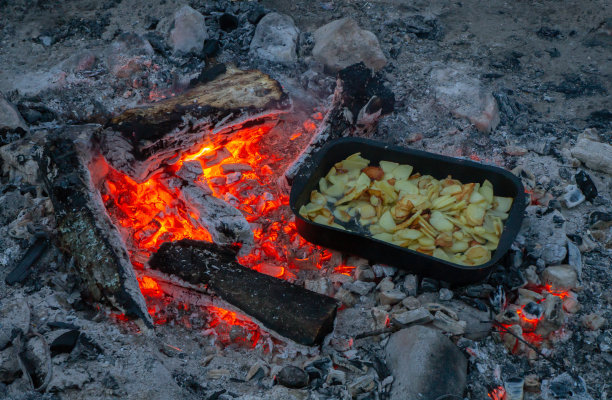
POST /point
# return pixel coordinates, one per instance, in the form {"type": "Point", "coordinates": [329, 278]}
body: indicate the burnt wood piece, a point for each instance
{"type": "Point", "coordinates": [290, 310]}
{"type": "Point", "coordinates": [141, 140]}
{"type": "Point", "coordinates": [86, 232]}
{"type": "Point", "coordinates": [360, 99]}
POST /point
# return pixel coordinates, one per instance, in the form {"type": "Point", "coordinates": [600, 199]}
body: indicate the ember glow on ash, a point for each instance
{"type": "Point", "coordinates": [243, 170]}
{"type": "Point", "coordinates": [499, 393]}
{"type": "Point", "coordinates": [528, 322]}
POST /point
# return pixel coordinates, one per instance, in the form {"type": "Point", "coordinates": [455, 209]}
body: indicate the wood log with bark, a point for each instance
{"type": "Point", "coordinates": [85, 230]}
{"type": "Point", "coordinates": [141, 140]}
{"type": "Point", "coordinates": [290, 310]}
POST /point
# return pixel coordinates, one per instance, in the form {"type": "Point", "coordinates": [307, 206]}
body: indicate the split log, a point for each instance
{"type": "Point", "coordinates": [141, 140]}
{"type": "Point", "coordinates": [360, 99]}
{"type": "Point", "coordinates": [86, 231]}
{"type": "Point", "coordinates": [290, 310]}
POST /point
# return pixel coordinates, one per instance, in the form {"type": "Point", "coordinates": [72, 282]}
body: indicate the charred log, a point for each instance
{"type": "Point", "coordinates": [360, 99]}
{"type": "Point", "coordinates": [141, 140]}
{"type": "Point", "coordinates": [290, 310]}
{"type": "Point", "coordinates": [86, 232]}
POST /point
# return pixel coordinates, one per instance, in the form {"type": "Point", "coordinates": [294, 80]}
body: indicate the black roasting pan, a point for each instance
{"type": "Point", "coordinates": [318, 164]}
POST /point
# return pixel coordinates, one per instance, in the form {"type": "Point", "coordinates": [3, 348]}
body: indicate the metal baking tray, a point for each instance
{"type": "Point", "coordinates": [318, 164]}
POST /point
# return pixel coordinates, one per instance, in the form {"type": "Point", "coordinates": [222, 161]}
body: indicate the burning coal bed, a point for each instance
{"type": "Point", "coordinates": [244, 171]}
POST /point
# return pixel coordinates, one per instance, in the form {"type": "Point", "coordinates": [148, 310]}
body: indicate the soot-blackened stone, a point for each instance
{"type": "Point", "coordinates": [292, 377]}
{"type": "Point", "coordinates": [586, 185]}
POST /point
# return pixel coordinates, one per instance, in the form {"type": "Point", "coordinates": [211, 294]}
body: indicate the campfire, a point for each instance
{"type": "Point", "coordinates": [217, 204]}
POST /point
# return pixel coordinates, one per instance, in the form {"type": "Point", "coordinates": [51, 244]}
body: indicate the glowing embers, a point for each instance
{"type": "Point", "coordinates": [498, 393]}
{"type": "Point", "coordinates": [151, 212]}
{"type": "Point", "coordinates": [537, 319]}
{"type": "Point", "coordinates": [231, 327]}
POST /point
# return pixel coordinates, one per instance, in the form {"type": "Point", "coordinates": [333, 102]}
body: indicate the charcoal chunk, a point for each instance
{"type": "Point", "coordinates": [293, 377]}
{"type": "Point", "coordinates": [586, 185]}
{"type": "Point", "coordinates": [65, 342]}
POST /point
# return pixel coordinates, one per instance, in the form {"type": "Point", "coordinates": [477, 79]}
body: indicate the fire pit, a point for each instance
{"type": "Point", "coordinates": [155, 159]}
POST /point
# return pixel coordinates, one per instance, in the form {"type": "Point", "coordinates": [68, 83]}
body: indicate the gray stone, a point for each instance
{"type": "Point", "coordinates": [418, 316]}
{"type": "Point", "coordinates": [391, 297]}
{"type": "Point", "coordinates": [445, 294]}
{"type": "Point", "coordinates": [447, 324]}
{"type": "Point", "coordinates": [292, 377]}
{"type": "Point", "coordinates": [465, 96]}
{"type": "Point", "coordinates": [425, 364]}
{"type": "Point", "coordinates": [574, 258]}
{"type": "Point", "coordinates": [593, 154]}
{"type": "Point", "coordinates": [342, 43]}
{"type": "Point", "coordinates": [411, 284]}
{"type": "Point", "coordinates": [560, 277]}
{"type": "Point", "coordinates": [14, 320]}
{"type": "Point", "coordinates": [189, 31]}
{"type": "Point", "coordinates": [411, 303]}
{"type": "Point", "coordinates": [360, 287]}
{"type": "Point", "coordinates": [347, 298]}
{"type": "Point", "coordinates": [10, 119]}
{"type": "Point", "coordinates": [385, 284]}
{"type": "Point", "coordinates": [275, 39]}
{"type": "Point", "coordinates": [364, 273]}
{"type": "Point", "coordinates": [9, 366]}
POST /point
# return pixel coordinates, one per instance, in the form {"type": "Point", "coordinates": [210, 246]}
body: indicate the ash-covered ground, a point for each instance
{"type": "Point", "coordinates": [521, 85]}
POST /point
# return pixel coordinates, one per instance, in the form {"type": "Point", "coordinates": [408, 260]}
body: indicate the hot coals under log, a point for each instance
{"type": "Point", "coordinates": [294, 312]}
{"type": "Point", "coordinates": [218, 175]}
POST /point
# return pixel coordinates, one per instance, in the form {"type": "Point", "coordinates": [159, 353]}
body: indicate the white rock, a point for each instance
{"type": "Point", "coordinates": [593, 154]}
{"type": "Point", "coordinates": [189, 31]}
{"type": "Point", "coordinates": [425, 365]}
{"type": "Point", "coordinates": [447, 324]}
{"type": "Point", "coordinates": [391, 297]}
{"type": "Point", "coordinates": [560, 277]}
{"type": "Point", "coordinates": [465, 96]}
{"type": "Point", "coordinates": [385, 284]}
{"type": "Point", "coordinates": [418, 316]}
{"type": "Point", "coordinates": [275, 39]}
{"type": "Point", "coordinates": [342, 43]}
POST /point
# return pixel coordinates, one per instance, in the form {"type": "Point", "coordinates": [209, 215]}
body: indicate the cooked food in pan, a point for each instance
{"type": "Point", "coordinates": [448, 219]}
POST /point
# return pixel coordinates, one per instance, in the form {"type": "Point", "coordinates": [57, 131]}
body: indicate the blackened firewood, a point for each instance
{"type": "Point", "coordinates": [86, 232]}
{"type": "Point", "coordinates": [360, 99]}
{"type": "Point", "coordinates": [141, 140]}
{"type": "Point", "coordinates": [290, 310]}
{"type": "Point", "coordinates": [22, 270]}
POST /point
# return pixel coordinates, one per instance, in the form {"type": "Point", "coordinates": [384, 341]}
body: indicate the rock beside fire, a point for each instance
{"type": "Point", "coordinates": [275, 39]}
{"type": "Point", "coordinates": [560, 277]}
{"type": "Point", "coordinates": [466, 97]}
{"type": "Point", "coordinates": [188, 31]}
{"type": "Point", "coordinates": [425, 364]}
{"type": "Point", "coordinates": [593, 153]}
{"type": "Point", "coordinates": [342, 43]}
